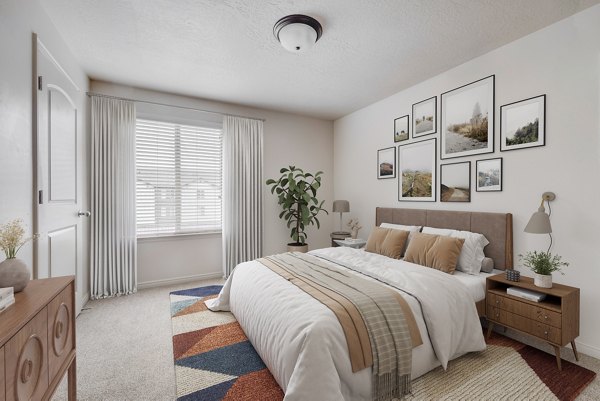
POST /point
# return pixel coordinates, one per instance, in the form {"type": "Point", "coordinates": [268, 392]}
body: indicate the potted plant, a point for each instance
{"type": "Point", "coordinates": [13, 271]}
{"type": "Point", "coordinates": [296, 193]}
{"type": "Point", "coordinates": [543, 264]}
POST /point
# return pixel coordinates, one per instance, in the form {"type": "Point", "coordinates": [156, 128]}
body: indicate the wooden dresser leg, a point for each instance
{"type": "Point", "coordinates": [489, 331]}
{"type": "Point", "coordinates": [575, 350]}
{"type": "Point", "coordinates": [557, 352]}
{"type": "Point", "coordinates": [72, 381]}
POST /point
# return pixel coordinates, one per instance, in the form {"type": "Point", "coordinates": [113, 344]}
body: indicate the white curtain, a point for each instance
{"type": "Point", "coordinates": [114, 245]}
{"type": "Point", "coordinates": [242, 191]}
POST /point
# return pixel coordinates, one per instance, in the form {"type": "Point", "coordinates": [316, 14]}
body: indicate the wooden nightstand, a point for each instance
{"type": "Point", "coordinates": [554, 320]}
{"type": "Point", "coordinates": [338, 235]}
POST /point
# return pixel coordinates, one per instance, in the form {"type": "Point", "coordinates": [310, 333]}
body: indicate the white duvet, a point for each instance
{"type": "Point", "coordinates": [303, 345]}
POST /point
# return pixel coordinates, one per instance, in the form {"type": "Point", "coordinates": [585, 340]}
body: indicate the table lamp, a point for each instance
{"type": "Point", "coordinates": [341, 206]}
{"type": "Point", "coordinates": [539, 223]}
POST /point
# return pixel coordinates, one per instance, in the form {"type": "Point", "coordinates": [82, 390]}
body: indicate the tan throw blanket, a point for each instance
{"type": "Point", "coordinates": [379, 326]}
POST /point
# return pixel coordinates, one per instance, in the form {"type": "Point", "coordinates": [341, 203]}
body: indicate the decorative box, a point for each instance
{"type": "Point", "coordinates": [513, 275]}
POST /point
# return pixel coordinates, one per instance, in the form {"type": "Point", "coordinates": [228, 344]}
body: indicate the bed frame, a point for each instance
{"type": "Point", "coordinates": [497, 228]}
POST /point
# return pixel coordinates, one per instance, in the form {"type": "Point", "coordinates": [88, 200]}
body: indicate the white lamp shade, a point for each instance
{"type": "Point", "coordinates": [341, 206]}
{"type": "Point", "coordinates": [539, 223]}
{"type": "Point", "coordinates": [297, 37]}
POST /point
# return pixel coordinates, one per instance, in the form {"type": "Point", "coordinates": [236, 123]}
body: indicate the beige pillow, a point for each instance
{"type": "Point", "coordinates": [436, 251]}
{"type": "Point", "coordinates": [387, 242]}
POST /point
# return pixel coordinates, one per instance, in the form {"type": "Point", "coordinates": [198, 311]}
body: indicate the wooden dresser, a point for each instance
{"type": "Point", "coordinates": [37, 341]}
{"type": "Point", "coordinates": [554, 320]}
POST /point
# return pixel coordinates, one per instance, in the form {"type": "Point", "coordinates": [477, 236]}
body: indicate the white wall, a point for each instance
{"type": "Point", "coordinates": [18, 19]}
{"type": "Point", "coordinates": [289, 139]}
{"type": "Point", "coordinates": [562, 61]}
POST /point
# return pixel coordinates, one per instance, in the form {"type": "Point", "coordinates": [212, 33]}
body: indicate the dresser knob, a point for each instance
{"type": "Point", "coordinates": [26, 371]}
{"type": "Point", "coordinates": [497, 302]}
{"type": "Point", "coordinates": [497, 314]}
{"type": "Point", "coordinates": [545, 317]}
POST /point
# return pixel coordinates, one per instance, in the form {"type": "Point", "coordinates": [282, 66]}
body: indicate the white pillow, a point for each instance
{"type": "Point", "coordinates": [471, 256]}
{"type": "Point", "coordinates": [410, 229]}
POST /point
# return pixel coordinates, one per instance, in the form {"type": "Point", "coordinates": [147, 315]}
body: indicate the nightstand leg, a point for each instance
{"type": "Point", "coordinates": [557, 352]}
{"type": "Point", "coordinates": [575, 350]}
{"type": "Point", "coordinates": [489, 332]}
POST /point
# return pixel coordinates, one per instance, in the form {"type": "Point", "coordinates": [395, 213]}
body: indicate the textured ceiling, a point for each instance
{"type": "Point", "coordinates": [225, 49]}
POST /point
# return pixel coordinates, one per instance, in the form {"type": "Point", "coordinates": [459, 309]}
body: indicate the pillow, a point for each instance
{"type": "Point", "coordinates": [387, 242]}
{"type": "Point", "coordinates": [436, 251]}
{"type": "Point", "coordinates": [487, 266]}
{"type": "Point", "coordinates": [410, 229]}
{"type": "Point", "coordinates": [471, 256]}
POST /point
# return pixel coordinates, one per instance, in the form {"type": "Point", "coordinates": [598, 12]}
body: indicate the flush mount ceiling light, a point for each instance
{"type": "Point", "coordinates": [297, 33]}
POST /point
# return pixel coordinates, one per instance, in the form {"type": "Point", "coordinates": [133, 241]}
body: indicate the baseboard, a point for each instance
{"type": "Point", "coordinates": [178, 280]}
{"type": "Point", "coordinates": [588, 349]}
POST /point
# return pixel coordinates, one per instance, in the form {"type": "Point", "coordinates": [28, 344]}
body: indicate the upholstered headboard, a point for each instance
{"type": "Point", "coordinates": [497, 227]}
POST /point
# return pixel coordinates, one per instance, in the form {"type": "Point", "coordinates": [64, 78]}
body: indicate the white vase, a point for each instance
{"type": "Point", "coordinates": [297, 248]}
{"type": "Point", "coordinates": [14, 273]}
{"type": "Point", "coordinates": [542, 280]}
{"type": "Point", "coordinates": [354, 233]}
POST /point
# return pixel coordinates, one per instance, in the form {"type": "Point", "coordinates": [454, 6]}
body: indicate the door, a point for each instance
{"type": "Point", "coordinates": [57, 181]}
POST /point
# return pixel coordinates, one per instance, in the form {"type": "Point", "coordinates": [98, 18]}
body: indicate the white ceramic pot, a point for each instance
{"type": "Point", "coordinates": [297, 248]}
{"type": "Point", "coordinates": [542, 280]}
{"type": "Point", "coordinates": [354, 233]}
{"type": "Point", "coordinates": [14, 273]}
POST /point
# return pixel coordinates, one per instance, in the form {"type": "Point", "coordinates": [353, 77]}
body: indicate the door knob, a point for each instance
{"type": "Point", "coordinates": [86, 214]}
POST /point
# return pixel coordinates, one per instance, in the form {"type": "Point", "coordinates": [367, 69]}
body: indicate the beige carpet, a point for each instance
{"type": "Point", "coordinates": [124, 353]}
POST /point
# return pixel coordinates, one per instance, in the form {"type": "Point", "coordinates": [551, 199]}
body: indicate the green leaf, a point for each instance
{"type": "Point", "coordinates": [271, 181]}
{"type": "Point", "coordinates": [283, 170]}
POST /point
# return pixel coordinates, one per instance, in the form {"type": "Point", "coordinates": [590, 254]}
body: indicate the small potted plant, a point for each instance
{"type": "Point", "coordinates": [13, 271]}
{"type": "Point", "coordinates": [543, 264]}
{"type": "Point", "coordinates": [296, 193]}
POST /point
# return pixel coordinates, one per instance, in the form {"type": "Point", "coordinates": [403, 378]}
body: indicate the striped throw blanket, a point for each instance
{"type": "Point", "coordinates": [378, 323]}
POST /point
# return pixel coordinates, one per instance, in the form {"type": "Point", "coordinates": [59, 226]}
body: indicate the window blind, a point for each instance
{"type": "Point", "coordinates": [178, 183]}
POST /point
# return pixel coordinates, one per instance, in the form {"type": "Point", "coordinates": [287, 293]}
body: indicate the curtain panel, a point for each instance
{"type": "Point", "coordinates": [242, 191]}
{"type": "Point", "coordinates": [113, 230]}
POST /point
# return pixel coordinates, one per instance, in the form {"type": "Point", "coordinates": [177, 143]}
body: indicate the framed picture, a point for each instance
{"type": "Point", "coordinates": [523, 124]}
{"type": "Point", "coordinates": [467, 119]}
{"type": "Point", "coordinates": [386, 163]}
{"type": "Point", "coordinates": [401, 129]}
{"type": "Point", "coordinates": [489, 175]}
{"type": "Point", "coordinates": [455, 182]}
{"type": "Point", "coordinates": [417, 171]}
{"type": "Point", "coordinates": [424, 116]}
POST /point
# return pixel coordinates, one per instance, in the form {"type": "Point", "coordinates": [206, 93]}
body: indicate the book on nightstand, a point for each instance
{"type": "Point", "coordinates": [526, 294]}
{"type": "Point", "coordinates": [353, 240]}
{"type": "Point", "coordinates": [7, 298]}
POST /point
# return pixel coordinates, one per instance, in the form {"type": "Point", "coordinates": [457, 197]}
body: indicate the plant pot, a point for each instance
{"type": "Point", "coordinates": [542, 280]}
{"type": "Point", "coordinates": [354, 233]}
{"type": "Point", "coordinates": [14, 273]}
{"type": "Point", "coordinates": [294, 247]}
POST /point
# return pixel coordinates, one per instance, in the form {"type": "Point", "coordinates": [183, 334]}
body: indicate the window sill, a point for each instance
{"type": "Point", "coordinates": [176, 237]}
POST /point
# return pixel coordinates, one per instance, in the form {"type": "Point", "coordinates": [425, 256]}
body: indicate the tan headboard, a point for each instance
{"type": "Point", "coordinates": [497, 227]}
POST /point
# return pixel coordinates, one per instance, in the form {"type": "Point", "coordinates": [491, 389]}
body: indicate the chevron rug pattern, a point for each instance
{"type": "Point", "coordinates": [214, 361]}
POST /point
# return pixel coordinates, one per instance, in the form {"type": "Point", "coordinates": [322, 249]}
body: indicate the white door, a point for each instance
{"type": "Point", "coordinates": [58, 180]}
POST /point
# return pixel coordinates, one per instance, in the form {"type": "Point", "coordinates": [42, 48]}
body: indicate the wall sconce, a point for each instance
{"type": "Point", "coordinates": [539, 223]}
{"type": "Point", "coordinates": [341, 206]}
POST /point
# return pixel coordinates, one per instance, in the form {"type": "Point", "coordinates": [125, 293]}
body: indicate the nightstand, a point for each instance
{"type": "Point", "coordinates": [554, 319]}
{"type": "Point", "coordinates": [351, 244]}
{"type": "Point", "coordinates": [338, 235]}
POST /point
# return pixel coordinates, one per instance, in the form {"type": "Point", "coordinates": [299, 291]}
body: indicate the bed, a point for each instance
{"type": "Point", "coordinates": [302, 342]}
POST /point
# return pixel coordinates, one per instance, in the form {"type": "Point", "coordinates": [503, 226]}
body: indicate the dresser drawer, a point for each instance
{"type": "Point", "coordinates": [2, 384]}
{"type": "Point", "coordinates": [533, 327]}
{"type": "Point", "coordinates": [526, 309]}
{"type": "Point", "coordinates": [60, 329]}
{"type": "Point", "coordinates": [546, 316]}
{"type": "Point", "coordinates": [496, 314]}
{"type": "Point", "coordinates": [26, 363]}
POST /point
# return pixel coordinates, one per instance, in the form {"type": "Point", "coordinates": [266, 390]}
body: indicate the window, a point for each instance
{"type": "Point", "coordinates": [178, 184]}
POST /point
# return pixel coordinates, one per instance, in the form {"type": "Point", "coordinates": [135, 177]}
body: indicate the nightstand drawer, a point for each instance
{"type": "Point", "coordinates": [540, 330]}
{"type": "Point", "coordinates": [543, 315]}
{"type": "Point", "coordinates": [524, 309]}
{"type": "Point", "coordinates": [495, 313]}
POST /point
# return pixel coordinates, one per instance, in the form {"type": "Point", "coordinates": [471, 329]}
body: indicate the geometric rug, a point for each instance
{"type": "Point", "coordinates": [215, 361]}
{"type": "Point", "coordinates": [213, 358]}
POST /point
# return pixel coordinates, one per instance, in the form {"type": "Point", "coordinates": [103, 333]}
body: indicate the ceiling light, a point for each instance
{"type": "Point", "coordinates": [297, 33]}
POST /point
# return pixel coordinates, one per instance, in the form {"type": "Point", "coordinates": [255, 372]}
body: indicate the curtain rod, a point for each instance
{"type": "Point", "coordinates": [170, 105]}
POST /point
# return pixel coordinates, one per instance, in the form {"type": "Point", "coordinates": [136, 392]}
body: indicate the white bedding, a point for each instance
{"type": "Point", "coordinates": [303, 345]}
{"type": "Point", "coordinates": [475, 283]}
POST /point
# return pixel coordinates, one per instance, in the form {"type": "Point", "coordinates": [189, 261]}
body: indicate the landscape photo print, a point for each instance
{"type": "Point", "coordinates": [424, 116]}
{"type": "Point", "coordinates": [401, 129]}
{"type": "Point", "coordinates": [467, 119]}
{"type": "Point", "coordinates": [386, 163]}
{"type": "Point", "coordinates": [455, 182]}
{"type": "Point", "coordinates": [489, 175]}
{"type": "Point", "coordinates": [417, 171]}
{"type": "Point", "coordinates": [523, 124]}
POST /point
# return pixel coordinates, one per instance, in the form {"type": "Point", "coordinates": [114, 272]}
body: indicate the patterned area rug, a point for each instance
{"type": "Point", "coordinates": [215, 361]}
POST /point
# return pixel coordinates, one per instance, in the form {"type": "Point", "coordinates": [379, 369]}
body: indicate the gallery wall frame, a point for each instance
{"type": "Point", "coordinates": [489, 175]}
{"type": "Point", "coordinates": [424, 117]}
{"type": "Point", "coordinates": [386, 156]}
{"type": "Point", "coordinates": [455, 182]}
{"type": "Point", "coordinates": [402, 129]}
{"type": "Point", "coordinates": [523, 124]}
{"type": "Point", "coordinates": [467, 116]}
{"type": "Point", "coordinates": [417, 171]}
